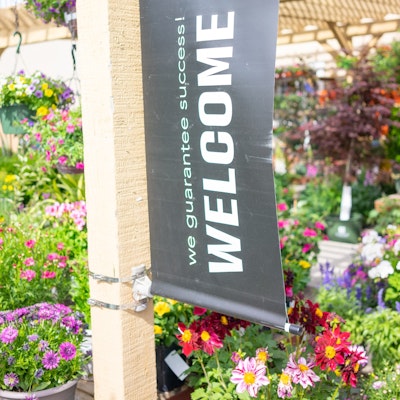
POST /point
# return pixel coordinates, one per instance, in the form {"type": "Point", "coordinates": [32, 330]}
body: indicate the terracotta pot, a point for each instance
{"type": "Point", "coordinates": [63, 392]}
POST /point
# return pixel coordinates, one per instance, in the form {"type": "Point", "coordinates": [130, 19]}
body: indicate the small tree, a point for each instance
{"type": "Point", "coordinates": [350, 129]}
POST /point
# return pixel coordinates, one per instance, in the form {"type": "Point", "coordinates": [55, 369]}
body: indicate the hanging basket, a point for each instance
{"type": "Point", "coordinates": [72, 23]}
{"type": "Point", "coordinates": [10, 116]}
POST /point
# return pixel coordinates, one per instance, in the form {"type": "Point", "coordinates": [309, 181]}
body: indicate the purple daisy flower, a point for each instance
{"type": "Point", "coordinates": [38, 373]}
{"type": "Point", "coordinates": [8, 335]}
{"type": "Point", "coordinates": [67, 351]}
{"type": "Point", "coordinates": [31, 397]}
{"type": "Point", "coordinates": [11, 380]}
{"type": "Point", "coordinates": [50, 360]}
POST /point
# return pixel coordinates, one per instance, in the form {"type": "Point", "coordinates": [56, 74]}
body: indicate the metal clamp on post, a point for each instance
{"type": "Point", "coordinates": [141, 285]}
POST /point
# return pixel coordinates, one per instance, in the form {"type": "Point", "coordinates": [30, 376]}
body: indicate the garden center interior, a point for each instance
{"type": "Point", "coordinates": [336, 164]}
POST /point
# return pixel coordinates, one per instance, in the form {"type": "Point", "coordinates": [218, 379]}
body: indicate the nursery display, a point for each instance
{"type": "Point", "coordinates": [41, 349]}
{"type": "Point", "coordinates": [58, 138]}
{"type": "Point", "coordinates": [233, 359]}
{"type": "Point", "coordinates": [51, 10]}
{"type": "Point", "coordinates": [25, 96]}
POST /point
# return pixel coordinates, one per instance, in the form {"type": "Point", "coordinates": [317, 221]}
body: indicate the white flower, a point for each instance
{"type": "Point", "coordinates": [371, 236]}
{"type": "Point", "coordinates": [382, 270]}
{"type": "Point", "coordinates": [372, 251]}
{"type": "Point", "coordinates": [398, 266]}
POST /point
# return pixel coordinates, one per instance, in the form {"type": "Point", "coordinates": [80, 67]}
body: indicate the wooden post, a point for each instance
{"type": "Point", "coordinates": [109, 67]}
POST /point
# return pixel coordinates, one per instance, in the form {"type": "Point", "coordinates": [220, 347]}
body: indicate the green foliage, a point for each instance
{"type": "Point", "coordinates": [363, 195]}
{"type": "Point", "coordinates": [382, 218]}
{"type": "Point", "coordinates": [338, 300]}
{"type": "Point", "coordinates": [379, 332]}
{"type": "Point", "coordinates": [382, 384]}
{"type": "Point", "coordinates": [321, 197]}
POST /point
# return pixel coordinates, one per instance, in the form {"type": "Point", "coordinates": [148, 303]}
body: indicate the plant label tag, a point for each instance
{"type": "Point", "coordinates": [177, 365]}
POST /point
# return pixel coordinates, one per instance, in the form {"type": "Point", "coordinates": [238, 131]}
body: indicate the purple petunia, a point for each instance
{"type": "Point", "coordinates": [67, 351]}
{"type": "Point", "coordinates": [8, 335]}
{"type": "Point", "coordinates": [50, 360]}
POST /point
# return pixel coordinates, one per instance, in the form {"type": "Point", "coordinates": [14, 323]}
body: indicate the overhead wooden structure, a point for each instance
{"type": "Point", "coordinates": [33, 30]}
{"type": "Point", "coordinates": [300, 21]}
{"type": "Point", "coordinates": [303, 21]}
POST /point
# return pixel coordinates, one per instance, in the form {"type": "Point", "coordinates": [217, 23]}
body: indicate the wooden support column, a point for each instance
{"type": "Point", "coordinates": [109, 67]}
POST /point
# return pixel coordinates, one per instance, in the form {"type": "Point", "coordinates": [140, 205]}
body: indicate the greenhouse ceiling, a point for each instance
{"type": "Point", "coordinates": [331, 23]}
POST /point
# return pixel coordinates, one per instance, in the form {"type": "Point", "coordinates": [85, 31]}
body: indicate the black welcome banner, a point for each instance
{"type": "Point", "coordinates": [208, 77]}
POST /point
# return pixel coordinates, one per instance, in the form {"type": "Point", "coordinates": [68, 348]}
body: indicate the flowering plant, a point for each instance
{"type": "Point", "coordinates": [44, 259]}
{"type": "Point", "coordinates": [167, 314]}
{"type": "Point", "coordinates": [38, 92]}
{"type": "Point", "coordinates": [58, 136]}
{"type": "Point", "coordinates": [51, 10]}
{"type": "Point", "coordinates": [40, 347]}
{"type": "Point", "coordinates": [374, 274]}
{"type": "Point", "coordinates": [299, 247]}
{"type": "Point", "coordinates": [232, 359]}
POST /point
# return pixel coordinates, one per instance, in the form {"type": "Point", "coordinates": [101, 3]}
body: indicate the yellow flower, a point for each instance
{"type": "Point", "coordinates": [158, 330]}
{"type": "Point", "coordinates": [48, 92]}
{"type": "Point", "coordinates": [42, 111]}
{"type": "Point", "coordinates": [9, 178]}
{"type": "Point", "coordinates": [162, 308]}
{"type": "Point", "coordinates": [4, 187]}
{"type": "Point", "coordinates": [45, 86]}
{"type": "Point", "coordinates": [11, 87]}
{"type": "Point", "coordinates": [304, 264]}
{"type": "Point", "coordinates": [10, 188]}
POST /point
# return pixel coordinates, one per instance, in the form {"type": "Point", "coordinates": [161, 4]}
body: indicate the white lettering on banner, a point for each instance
{"type": "Point", "coordinates": [217, 147]}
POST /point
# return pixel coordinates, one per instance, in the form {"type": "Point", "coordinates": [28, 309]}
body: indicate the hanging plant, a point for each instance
{"type": "Point", "coordinates": [51, 10]}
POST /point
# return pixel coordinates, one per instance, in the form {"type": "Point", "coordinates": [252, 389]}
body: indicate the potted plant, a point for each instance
{"type": "Point", "coordinates": [23, 96]}
{"type": "Point", "coordinates": [43, 257]}
{"type": "Point", "coordinates": [41, 352]}
{"type": "Point", "coordinates": [167, 314]}
{"type": "Point", "coordinates": [350, 131]}
{"type": "Point", "coordinates": [60, 12]}
{"type": "Point", "coordinates": [58, 137]}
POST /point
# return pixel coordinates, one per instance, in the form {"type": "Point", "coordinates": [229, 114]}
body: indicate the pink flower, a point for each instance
{"type": "Point", "coordinates": [301, 371]}
{"type": "Point", "coordinates": [80, 165]}
{"type": "Point", "coordinates": [38, 137]}
{"type": "Point", "coordinates": [285, 386]}
{"type": "Point", "coordinates": [309, 232]}
{"type": "Point", "coordinates": [52, 256]}
{"type": "Point", "coordinates": [70, 128]}
{"type": "Point", "coordinates": [319, 225]}
{"type": "Point", "coordinates": [249, 376]}
{"type": "Point", "coordinates": [283, 223]}
{"type": "Point", "coordinates": [306, 248]}
{"type": "Point", "coordinates": [283, 241]}
{"type": "Point", "coordinates": [282, 206]}
{"type": "Point", "coordinates": [48, 274]}
{"type": "Point", "coordinates": [29, 262]}
{"type": "Point", "coordinates": [60, 246]}
{"type": "Point", "coordinates": [199, 310]}
{"type": "Point", "coordinates": [62, 160]}
{"type": "Point", "coordinates": [30, 243]}
{"type": "Point", "coordinates": [28, 274]}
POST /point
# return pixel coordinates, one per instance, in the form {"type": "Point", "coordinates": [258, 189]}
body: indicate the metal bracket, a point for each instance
{"type": "Point", "coordinates": [141, 285]}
